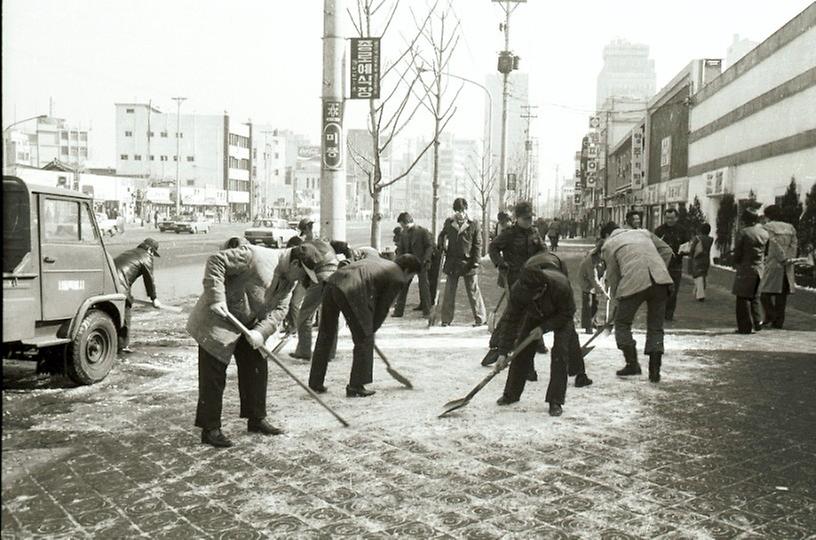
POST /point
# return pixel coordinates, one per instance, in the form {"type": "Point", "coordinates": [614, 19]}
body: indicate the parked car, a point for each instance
{"type": "Point", "coordinates": [193, 225]}
{"type": "Point", "coordinates": [106, 225]}
{"type": "Point", "coordinates": [61, 294]}
{"type": "Point", "coordinates": [270, 232]}
{"type": "Point", "coordinates": [167, 224]}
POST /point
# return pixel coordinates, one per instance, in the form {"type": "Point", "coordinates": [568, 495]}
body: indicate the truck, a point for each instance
{"type": "Point", "coordinates": [62, 298]}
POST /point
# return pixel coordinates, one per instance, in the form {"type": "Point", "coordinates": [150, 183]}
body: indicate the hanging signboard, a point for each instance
{"type": "Point", "coordinates": [511, 181]}
{"type": "Point", "coordinates": [332, 128]}
{"type": "Point", "coordinates": [637, 159]}
{"type": "Point", "coordinates": [365, 68]}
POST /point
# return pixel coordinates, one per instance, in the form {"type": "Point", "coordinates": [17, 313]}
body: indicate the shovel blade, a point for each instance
{"type": "Point", "coordinates": [400, 378]}
{"type": "Point", "coordinates": [491, 322]}
{"type": "Point", "coordinates": [586, 350]}
{"type": "Point", "coordinates": [453, 405]}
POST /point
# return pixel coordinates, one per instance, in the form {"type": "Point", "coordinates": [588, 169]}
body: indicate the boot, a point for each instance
{"type": "Point", "coordinates": [491, 357]}
{"type": "Point", "coordinates": [632, 366]}
{"type": "Point", "coordinates": [655, 360]}
{"type": "Point", "coordinates": [505, 400]}
{"type": "Point", "coordinates": [555, 409]}
{"type": "Point", "coordinates": [582, 380]}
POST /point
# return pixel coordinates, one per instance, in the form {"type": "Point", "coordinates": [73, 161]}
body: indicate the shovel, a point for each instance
{"type": "Point", "coordinates": [270, 355]}
{"type": "Point", "coordinates": [491, 318]}
{"type": "Point", "coordinates": [172, 309]}
{"type": "Point", "coordinates": [434, 317]}
{"type": "Point", "coordinates": [393, 372]}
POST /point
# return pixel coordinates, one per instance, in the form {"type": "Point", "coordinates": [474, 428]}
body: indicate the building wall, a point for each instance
{"type": "Point", "coordinates": [269, 167]}
{"type": "Point", "coordinates": [669, 120]}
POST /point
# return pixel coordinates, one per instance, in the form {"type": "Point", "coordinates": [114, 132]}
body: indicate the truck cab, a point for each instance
{"type": "Point", "coordinates": [61, 291]}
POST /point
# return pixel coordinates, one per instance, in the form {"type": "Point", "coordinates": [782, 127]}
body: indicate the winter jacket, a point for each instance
{"type": "Point", "coordinates": [462, 243]}
{"type": "Point", "coordinates": [252, 281]}
{"type": "Point", "coordinates": [634, 259]}
{"type": "Point", "coordinates": [700, 255]}
{"type": "Point", "coordinates": [370, 285]}
{"type": "Point", "coordinates": [417, 241]}
{"type": "Point", "coordinates": [555, 307]}
{"type": "Point", "coordinates": [782, 245]}
{"type": "Point", "coordinates": [547, 260]}
{"type": "Point", "coordinates": [591, 265]}
{"type": "Point", "coordinates": [514, 246]}
{"type": "Point", "coordinates": [134, 263]}
{"type": "Point", "coordinates": [674, 236]}
{"type": "Point", "coordinates": [328, 264]}
{"type": "Point", "coordinates": [554, 229]}
{"type": "Point", "coordinates": [749, 252]}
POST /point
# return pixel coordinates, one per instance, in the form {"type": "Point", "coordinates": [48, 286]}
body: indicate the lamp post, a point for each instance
{"type": "Point", "coordinates": [178, 101]}
{"type": "Point", "coordinates": [8, 127]}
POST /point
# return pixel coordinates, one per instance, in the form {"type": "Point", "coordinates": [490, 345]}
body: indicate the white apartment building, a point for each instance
{"type": "Point", "coordinates": [269, 158]}
{"type": "Point", "coordinates": [43, 140]}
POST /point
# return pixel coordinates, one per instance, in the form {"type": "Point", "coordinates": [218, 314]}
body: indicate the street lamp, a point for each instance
{"type": "Point", "coordinates": [178, 101]}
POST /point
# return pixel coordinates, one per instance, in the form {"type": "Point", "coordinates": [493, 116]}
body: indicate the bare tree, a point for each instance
{"type": "Point", "coordinates": [389, 115]}
{"type": "Point", "coordinates": [483, 179]}
{"type": "Point", "coordinates": [442, 37]}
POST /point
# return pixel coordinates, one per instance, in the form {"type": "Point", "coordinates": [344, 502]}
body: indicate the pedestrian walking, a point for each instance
{"type": "Point", "coordinates": [636, 271]}
{"type": "Point", "coordinates": [363, 292]}
{"type": "Point", "coordinates": [673, 234]}
{"type": "Point", "coordinates": [748, 256]}
{"type": "Point", "coordinates": [417, 241]}
{"type": "Point", "coordinates": [461, 242]}
{"type": "Point", "coordinates": [589, 272]}
{"type": "Point", "coordinates": [156, 219]}
{"type": "Point", "coordinates": [130, 266]}
{"type": "Point", "coordinates": [313, 293]}
{"type": "Point", "coordinates": [700, 260]}
{"type": "Point", "coordinates": [255, 285]}
{"type": "Point", "coordinates": [542, 300]}
{"type": "Point", "coordinates": [554, 233]}
{"type": "Point", "coordinates": [778, 279]}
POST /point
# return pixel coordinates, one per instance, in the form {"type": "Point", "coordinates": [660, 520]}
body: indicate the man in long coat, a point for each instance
{"type": "Point", "coordinates": [778, 276]}
{"type": "Point", "coordinates": [748, 256]}
{"type": "Point", "coordinates": [363, 292]}
{"type": "Point", "coordinates": [417, 241]}
{"type": "Point", "coordinates": [255, 285]}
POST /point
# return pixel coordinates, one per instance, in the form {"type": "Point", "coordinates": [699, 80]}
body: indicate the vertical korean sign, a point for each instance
{"type": "Point", "coordinates": [332, 128]}
{"type": "Point", "coordinates": [365, 68]}
{"type": "Point", "coordinates": [637, 159]}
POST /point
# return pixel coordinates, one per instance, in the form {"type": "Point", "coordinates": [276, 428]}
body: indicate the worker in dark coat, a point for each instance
{"type": "Point", "coordinates": [131, 265]}
{"type": "Point", "coordinates": [749, 255]}
{"type": "Point", "coordinates": [363, 292]}
{"type": "Point", "coordinates": [540, 300]}
{"type": "Point", "coordinates": [461, 241]}
{"type": "Point", "coordinates": [313, 294]}
{"type": "Point", "coordinates": [672, 233]}
{"type": "Point", "coordinates": [417, 241]}
{"type": "Point", "coordinates": [255, 285]}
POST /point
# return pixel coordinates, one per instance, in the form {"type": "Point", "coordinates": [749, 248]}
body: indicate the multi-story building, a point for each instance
{"type": "Point", "coordinates": [49, 139]}
{"type": "Point", "coordinates": [358, 167]}
{"type": "Point", "coordinates": [206, 151]}
{"type": "Point", "coordinates": [628, 72]}
{"type": "Point", "coordinates": [306, 186]}
{"type": "Point", "coordinates": [269, 158]}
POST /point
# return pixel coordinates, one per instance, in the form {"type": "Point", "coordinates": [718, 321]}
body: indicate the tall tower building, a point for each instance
{"type": "Point", "coordinates": [628, 72]}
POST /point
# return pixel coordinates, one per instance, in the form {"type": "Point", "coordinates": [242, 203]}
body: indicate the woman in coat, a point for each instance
{"type": "Point", "coordinates": [700, 260]}
{"type": "Point", "coordinates": [778, 278]}
{"type": "Point", "coordinates": [749, 252]}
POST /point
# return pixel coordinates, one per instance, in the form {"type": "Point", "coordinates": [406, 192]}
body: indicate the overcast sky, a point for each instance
{"type": "Point", "coordinates": [262, 59]}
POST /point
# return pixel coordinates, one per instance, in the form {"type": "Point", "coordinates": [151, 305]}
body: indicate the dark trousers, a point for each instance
{"type": "Point", "coordinates": [655, 297]}
{"type": "Point", "coordinates": [589, 307]}
{"type": "Point", "coordinates": [554, 243]}
{"type": "Point", "coordinates": [362, 365]}
{"type": "Point", "coordinates": [671, 302]}
{"type": "Point", "coordinates": [424, 294]}
{"type": "Point", "coordinates": [749, 316]}
{"type": "Point", "coordinates": [124, 334]}
{"type": "Point", "coordinates": [212, 378]}
{"type": "Point", "coordinates": [559, 360]}
{"type": "Point", "coordinates": [774, 306]}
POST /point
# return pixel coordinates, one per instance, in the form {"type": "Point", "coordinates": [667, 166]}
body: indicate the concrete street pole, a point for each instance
{"type": "Point", "coordinates": [332, 145]}
{"type": "Point", "coordinates": [503, 154]}
{"type": "Point", "coordinates": [178, 101]}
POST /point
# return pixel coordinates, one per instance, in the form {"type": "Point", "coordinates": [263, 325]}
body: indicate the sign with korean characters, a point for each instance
{"type": "Point", "coordinates": [365, 68]}
{"type": "Point", "coordinates": [511, 181]}
{"type": "Point", "coordinates": [637, 159]}
{"type": "Point", "coordinates": [332, 131]}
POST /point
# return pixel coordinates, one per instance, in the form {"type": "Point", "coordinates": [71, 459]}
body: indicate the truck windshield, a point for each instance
{"type": "Point", "coordinates": [16, 224]}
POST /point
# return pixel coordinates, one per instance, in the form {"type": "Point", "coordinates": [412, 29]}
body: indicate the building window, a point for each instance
{"type": "Point", "coordinates": [129, 111]}
{"type": "Point", "coordinates": [83, 136]}
{"type": "Point", "coordinates": [64, 150]}
{"type": "Point", "coordinates": [190, 182]}
{"type": "Point", "coordinates": [64, 135]}
{"type": "Point", "coordinates": [128, 134]}
{"type": "Point", "coordinates": [163, 134]}
{"type": "Point", "coordinates": [74, 136]}
{"type": "Point", "coordinates": [288, 181]}
{"type": "Point", "coordinates": [277, 155]}
{"type": "Point", "coordinates": [190, 158]}
{"type": "Point", "coordinates": [163, 158]}
{"type": "Point", "coordinates": [152, 158]}
{"type": "Point", "coordinates": [277, 172]}
{"type": "Point", "coordinates": [149, 134]}
{"type": "Point", "coordinates": [175, 158]}
{"type": "Point", "coordinates": [137, 157]}
{"type": "Point", "coordinates": [254, 153]}
{"type": "Point", "coordinates": [123, 157]}
{"type": "Point", "coordinates": [74, 151]}
{"type": "Point", "coordinates": [180, 135]}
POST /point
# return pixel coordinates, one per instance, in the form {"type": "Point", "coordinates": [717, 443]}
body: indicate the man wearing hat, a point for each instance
{"type": "Point", "coordinates": [255, 285]}
{"type": "Point", "coordinates": [306, 226]}
{"type": "Point", "coordinates": [749, 257]}
{"type": "Point", "coordinates": [130, 265]}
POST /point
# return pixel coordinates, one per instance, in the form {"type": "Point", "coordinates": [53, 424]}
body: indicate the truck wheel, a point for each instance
{"type": "Point", "coordinates": [93, 350]}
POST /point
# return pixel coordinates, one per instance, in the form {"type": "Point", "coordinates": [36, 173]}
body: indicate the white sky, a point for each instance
{"type": "Point", "coordinates": [262, 59]}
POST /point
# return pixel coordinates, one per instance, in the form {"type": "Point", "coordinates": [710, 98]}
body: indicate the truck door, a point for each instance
{"type": "Point", "coordinates": [71, 257]}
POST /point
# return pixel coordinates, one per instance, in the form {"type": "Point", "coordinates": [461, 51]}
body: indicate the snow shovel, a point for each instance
{"type": "Point", "coordinates": [270, 355]}
{"type": "Point", "coordinates": [173, 309]}
{"type": "Point", "coordinates": [434, 318]}
{"type": "Point", "coordinates": [459, 403]}
{"type": "Point", "coordinates": [491, 318]}
{"type": "Point", "coordinates": [605, 329]}
{"type": "Point", "coordinates": [393, 372]}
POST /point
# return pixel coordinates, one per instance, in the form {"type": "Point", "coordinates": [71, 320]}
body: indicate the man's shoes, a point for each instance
{"type": "Point", "coordinates": [419, 308]}
{"type": "Point", "coordinates": [629, 369]}
{"type": "Point", "coordinates": [532, 375]}
{"type": "Point", "coordinates": [215, 437]}
{"type": "Point", "coordinates": [445, 324]}
{"type": "Point", "coordinates": [490, 358]}
{"type": "Point", "coordinates": [263, 427]}
{"type": "Point", "coordinates": [318, 388]}
{"type": "Point", "coordinates": [126, 350]}
{"type": "Point", "coordinates": [359, 391]}
{"type": "Point", "coordinates": [655, 360]}
{"type": "Point", "coordinates": [541, 347]}
{"type": "Point", "coordinates": [743, 332]}
{"type": "Point", "coordinates": [582, 380]}
{"type": "Point", "coordinates": [555, 409]}
{"type": "Point", "coordinates": [669, 318]}
{"type": "Point", "coordinates": [588, 331]}
{"type": "Point", "coordinates": [477, 324]}
{"type": "Point", "coordinates": [396, 315]}
{"type": "Point", "coordinates": [504, 400]}
{"type": "Point", "coordinates": [299, 356]}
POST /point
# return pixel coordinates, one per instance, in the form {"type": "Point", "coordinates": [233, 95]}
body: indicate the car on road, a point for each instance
{"type": "Point", "coordinates": [193, 225]}
{"type": "Point", "coordinates": [106, 225]}
{"type": "Point", "coordinates": [167, 224]}
{"type": "Point", "coordinates": [63, 304]}
{"type": "Point", "coordinates": [270, 232]}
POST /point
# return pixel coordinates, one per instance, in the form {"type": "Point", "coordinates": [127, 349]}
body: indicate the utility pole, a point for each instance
{"type": "Point", "coordinates": [507, 63]}
{"type": "Point", "coordinates": [528, 148]}
{"type": "Point", "coordinates": [332, 147]}
{"type": "Point", "coordinates": [178, 101]}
